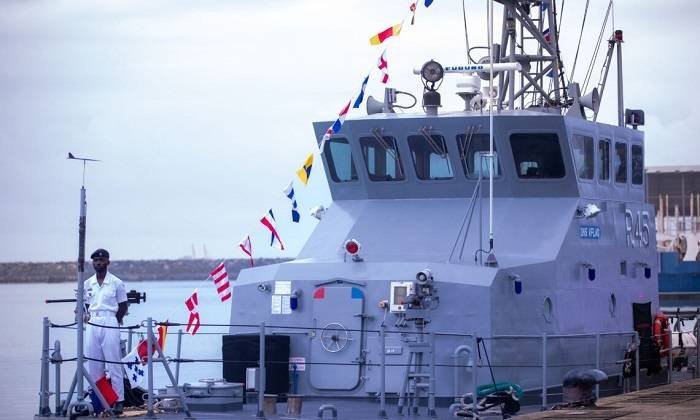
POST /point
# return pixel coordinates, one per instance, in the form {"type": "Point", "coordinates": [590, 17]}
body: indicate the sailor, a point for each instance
{"type": "Point", "coordinates": [106, 303]}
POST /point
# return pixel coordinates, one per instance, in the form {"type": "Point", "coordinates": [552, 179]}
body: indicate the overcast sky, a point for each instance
{"type": "Point", "coordinates": [201, 110]}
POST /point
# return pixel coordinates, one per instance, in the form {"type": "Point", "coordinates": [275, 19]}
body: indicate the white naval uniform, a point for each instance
{"type": "Point", "coordinates": [104, 343]}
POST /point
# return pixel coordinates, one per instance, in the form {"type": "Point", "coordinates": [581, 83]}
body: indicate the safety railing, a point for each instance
{"type": "Point", "coordinates": [465, 356]}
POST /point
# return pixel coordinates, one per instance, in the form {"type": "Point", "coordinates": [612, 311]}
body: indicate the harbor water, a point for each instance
{"type": "Point", "coordinates": [23, 309]}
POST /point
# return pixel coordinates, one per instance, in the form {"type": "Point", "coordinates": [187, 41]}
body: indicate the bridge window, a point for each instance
{"type": "Point", "coordinates": [583, 156]}
{"type": "Point", "coordinates": [430, 157]}
{"type": "Point", "coordinates": [537, 155]}
{"type": "Point", "coordinates": [621, 163]}
{"type": "Point", "coordinates": [339, 159]}
{"type": "Point", "coordinates": [473, 150]}
{"type": "Point", "coordinates": [382, 158]}
{"type": "Point", "coordinates": [637, 165]}
{"type": "Point", "coordinates": [604, 160]}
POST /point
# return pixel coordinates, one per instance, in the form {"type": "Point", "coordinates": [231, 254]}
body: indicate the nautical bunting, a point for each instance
{"type": "Point", "coordinates": [547, 36]}
{"type": "Point", "coordinates": [193, 322]}
{"type": "Point", "coordinates": [134, 361]}
{"type": "Point", "coordinates": [289, 192]}
{"type": "Point", "coordinates": [247, 248]}
{"type": "Point", "coordinates": [220, 277]}
{"type": "Point", "coordinates": [268, 220]}
{"type": "Point", "coordinates": [428, 3]}
{"type": "Point", "coordinates": [361, 96]}
{"type": "Point", "coordinates": [305, 171]}
{"type": "Point", "coordinates": [412, 8]}
{"type": "Point", "coordinates": [386, 34]}
{"type": "Point", "coordinates": [335, 127]}
{"type": "Point", "coordinates": [384, 67]}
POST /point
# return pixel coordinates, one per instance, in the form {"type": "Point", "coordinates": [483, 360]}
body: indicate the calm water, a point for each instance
{"type": "Point", "coordinates": [21, 314]}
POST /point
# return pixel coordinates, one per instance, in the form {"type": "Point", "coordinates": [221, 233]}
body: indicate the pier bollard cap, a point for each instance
{"type": "Point", "coordinates": [100, 253]}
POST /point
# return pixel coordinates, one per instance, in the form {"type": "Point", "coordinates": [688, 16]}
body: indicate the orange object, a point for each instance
{"type": "Point", "coordinates": [105, 387]}
{"type": "Point", "coordinates": [661, 333]}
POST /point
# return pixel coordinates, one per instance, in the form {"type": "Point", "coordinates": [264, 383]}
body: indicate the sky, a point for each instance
{"type": "Point", "coordinates": [201, 112]}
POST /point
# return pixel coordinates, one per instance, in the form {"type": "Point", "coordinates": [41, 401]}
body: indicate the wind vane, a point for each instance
{"type": "Point", "coordinates": [71, 156]}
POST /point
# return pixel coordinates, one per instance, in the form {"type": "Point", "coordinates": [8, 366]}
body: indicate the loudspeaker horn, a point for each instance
{"type": "Point", "coordinates": [374, 106]}
{"type": "Point", "coordinates": [591, 100]}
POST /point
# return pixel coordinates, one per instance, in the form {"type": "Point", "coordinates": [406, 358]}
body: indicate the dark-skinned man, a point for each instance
{"type": "Point", "coordinates": [106, 303]}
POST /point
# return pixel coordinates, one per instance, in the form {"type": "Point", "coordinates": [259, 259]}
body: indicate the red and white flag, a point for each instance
{"type": "Point", "coordinates": [383, 65]}
{"type": "Point", "coordinates": [194, 321]}
{"type": "Point", "coordinates": [268, 220]}
{"type": "Point", "coordinates": [247, 248]}
{"type": "Point", "coordinates": [220, 277]}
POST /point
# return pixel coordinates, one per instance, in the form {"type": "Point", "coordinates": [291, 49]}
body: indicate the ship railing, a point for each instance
{"type": "Point", "coordinates": [463, 344]}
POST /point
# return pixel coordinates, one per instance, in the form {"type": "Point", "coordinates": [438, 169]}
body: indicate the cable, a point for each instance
{"type": "Point", "coordinates": [580, 36]}
{"type": "Point", "coordinates": [594, 58]}
{"type": "Point", "coordinates": [466, 33]}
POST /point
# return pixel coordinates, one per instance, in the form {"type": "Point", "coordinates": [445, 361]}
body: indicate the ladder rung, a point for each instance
{"type": "Point", "coordinates": [419, 375]}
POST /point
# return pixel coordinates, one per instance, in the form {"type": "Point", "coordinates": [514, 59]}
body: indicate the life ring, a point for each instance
{"type": "Point", "coordinates": [661, 336]}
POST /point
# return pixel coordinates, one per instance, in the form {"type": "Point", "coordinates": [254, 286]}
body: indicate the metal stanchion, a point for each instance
{"type": "Point", "coordinates": [261, 372]}
{"type": "Point", "coordinates": [179, 352]}
{"type": "Point", "coordinates": [475, 371]}
{"type": "Point", "coordinates": [149, 342]}
{"type": "Point", "coordinates": [544, 371]}
{"type": "Point", "coordinates": [44, 409]}
{"type": "Point", "coordinates": [382, 373]}
{"type": "Point", "coordinates": [669, 358]}
{"type": "Point", "coordinates": [597, 363]}
{"type": "Point", "coordinates": [56, 358]}
{"type": "Point", "coordinates": [697, 346]}
{"type": "Point", "coordinates": [636, 360]}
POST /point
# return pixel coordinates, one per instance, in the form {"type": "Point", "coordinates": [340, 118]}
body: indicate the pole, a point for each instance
{"type": "Point", "coordinates": [382, 373]}
{"type": "Point", "coordinates": [44, 410]}
{"type": "Point", "coordinates": [669, 359]}
{"type": "Point", "coordinates": [636, 360]}
{"type": "Point", "coordinates": [475, 380]}
{"type": "Point", "coordinates": [544, 371]}
{"type": "Point", "coordinates": [80, 298]}
{"type": "Point", "coordinates": [261, 372]}
{"type": "Point", "coordinates": [179, 352]}
{"type": "Point", "coordinates": [620, 96]}
{"type": "Point", "coordinates": [490, 10]}
{"type": "Point", "coordinates": [56, 358]}
{"type": "Point", "coordinates": [697, 347]}
{"type": "Point", "coordinates": [597, 363]}
{"type": "Point", "coordinates": [149, 342]}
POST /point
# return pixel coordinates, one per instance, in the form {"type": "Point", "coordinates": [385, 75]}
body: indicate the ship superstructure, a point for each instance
{"type": "Point", "coordinates": [420, 263]}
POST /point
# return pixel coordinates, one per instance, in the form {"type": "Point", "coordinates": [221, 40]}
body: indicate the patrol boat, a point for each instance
{"type": "Point", "coordinates": [507, 241]}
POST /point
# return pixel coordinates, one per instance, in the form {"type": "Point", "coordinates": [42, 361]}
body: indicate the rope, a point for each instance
{"type": "Point", "coordinates": [580, 36]}
{"type": "Point", "coordinates": [466, 33]}
{"type": "Point", "coordinates": [594, 58]}
{"type": "Point", "coordinates": [52, 325]}
{"type": "Point", "coordinates": [131, 327]}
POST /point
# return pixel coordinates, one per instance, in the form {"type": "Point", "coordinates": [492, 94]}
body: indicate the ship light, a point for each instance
{"type": "Point", "coordinates": [590, 270]}
{"type": "Point", "coordinates": [294, 299]}
{"type": "Point", "coordinates": [517, 283]}
{"type": "Point", "coordinates": [352, 248]}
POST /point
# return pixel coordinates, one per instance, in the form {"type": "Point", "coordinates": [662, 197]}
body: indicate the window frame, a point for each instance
{"type": "Point", "coordinates": [608, 140]}
{"type": "Point", "coordinates": [627, 158]}
{"type": "Point", "coordinates": [331, 162]}
{"type": "Point", "coordinates": [584, 136]}
{"type": "Point", "coordinates": [445, 142]}
{"type": "Point", "coordinates": [365, 158]}
{"type": "Point", "coordinates": [556, 134]}
{"type": "Point", "coordinates": [499, 167]}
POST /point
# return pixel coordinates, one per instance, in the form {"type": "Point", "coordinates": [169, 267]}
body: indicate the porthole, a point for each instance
{"type": "Point", "coordinates": [613, 304]}
{"type": "Point", "coordinates": [547, 308]}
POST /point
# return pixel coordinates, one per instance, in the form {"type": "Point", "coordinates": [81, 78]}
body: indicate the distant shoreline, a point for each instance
{"type": "Point", "coordinates": [128, 270]}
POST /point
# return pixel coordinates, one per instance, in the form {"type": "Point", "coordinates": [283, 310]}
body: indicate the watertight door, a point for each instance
{"type": "Point", "coordinates": [337, 343]}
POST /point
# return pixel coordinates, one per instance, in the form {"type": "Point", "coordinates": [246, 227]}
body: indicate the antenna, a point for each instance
{"type": "Point", "coordinates": [80, 372]}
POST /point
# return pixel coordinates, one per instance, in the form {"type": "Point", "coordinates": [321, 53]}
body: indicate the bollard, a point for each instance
{"type": "Point", "coordinates": [261, 372]}
{"type": "Point", "coordinates": [382, 373]}
{"type": "Point", "coordinates": [56, 358]}
{"type": "Point", "coordinates": [270, 404]}
{"type": "Point", "coordinates": [544, 371]}
{"type": "Point", "coordinates": [44, 410]}
{"type": "Point", "coordinates": [294, 405]}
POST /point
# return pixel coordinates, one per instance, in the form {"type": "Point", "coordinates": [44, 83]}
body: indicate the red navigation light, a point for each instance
{"type": "Point", "coordinates": [618, 35]}
{"type": "Point", "coordinates": [352, 247]}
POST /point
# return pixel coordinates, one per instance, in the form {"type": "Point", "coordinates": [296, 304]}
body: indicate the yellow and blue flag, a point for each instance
{"type": "Point", "coordinates": [305, 171]}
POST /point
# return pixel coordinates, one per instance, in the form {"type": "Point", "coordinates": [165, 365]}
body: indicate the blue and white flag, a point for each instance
{"type": "Point", "coordinates": [289, 192]}
{"type": "Point", "coordinates": [133, 368]}
{"type": "Point", "coordinates": [361, 96]}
